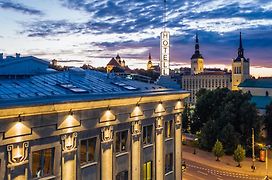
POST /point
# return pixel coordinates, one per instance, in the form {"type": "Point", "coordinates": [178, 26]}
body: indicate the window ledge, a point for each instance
{"type": "Point", "coordinates": [121, 154]}
{"type": "Point", "coordinates": [88, 164]}
{"type": "Point", "coordinates": [147, 145]}
{"type": "Point", "coordinates": [169, 139]}
{"type": "Point", "coordinates": [170, 172]}
{"type": "Point", "coordinates": [45, 178]}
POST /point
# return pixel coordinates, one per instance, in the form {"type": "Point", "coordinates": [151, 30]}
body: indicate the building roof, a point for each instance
{"type": "Point", "coordinates": [197, 54]}
{"type": "Point", "coordinates": [113, 62]}
{"type": "Point", "coordinates": [73, 85]}
{"type": "Point", "coordinates": [261, 101]}
{"type": "Point", "coordinates": [28, 65]}
{"type": "Point", "coordinates": [257, 83]}
{"type": "Point", "coordinates": [241, 56]}
{"type": "Point", "coordinates": [209, 73]}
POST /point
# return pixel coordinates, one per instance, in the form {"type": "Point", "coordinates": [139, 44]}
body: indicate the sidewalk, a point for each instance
{"type": "Point", "coordinates": [226, 163]}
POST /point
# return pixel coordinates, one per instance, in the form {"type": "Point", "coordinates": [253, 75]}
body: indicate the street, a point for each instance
{"type": "Point", "coordinates": [196, 171]}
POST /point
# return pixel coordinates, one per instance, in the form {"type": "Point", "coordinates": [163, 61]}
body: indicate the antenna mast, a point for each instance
{"type": "Point", "coordinates": [164, 15]}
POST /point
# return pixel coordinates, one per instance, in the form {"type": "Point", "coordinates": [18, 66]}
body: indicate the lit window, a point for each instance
{"type": "Point", "coordinates": [122, 175]}
{"type": "Point", "coordinates": [147, 170]}
{"type": "Point", "coordinates": [147, 134]}
{"type": "Point", "coordinates": [42, 163]}
{"type": "Point", "coordinates": [168, 129]}
{"type": "Point", "coordinates": [87, 150]}
{"type": "Point", "coordinates": [168, 162]}
{"type": "Point", "coordinates": [121, 141]}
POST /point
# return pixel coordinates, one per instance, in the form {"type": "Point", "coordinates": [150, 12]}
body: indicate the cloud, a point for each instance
{"type": "Point", "coordinates": [19, 8]}
{"type": "Point", "coordinates": [135, 26]}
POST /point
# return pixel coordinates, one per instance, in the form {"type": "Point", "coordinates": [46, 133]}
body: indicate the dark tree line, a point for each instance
{"type": "Point", "coordinates": [227, 116]}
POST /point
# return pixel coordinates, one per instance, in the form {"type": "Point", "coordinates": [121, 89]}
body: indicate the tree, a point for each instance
{"type": "Point", "coordinates": [231, 111]}
{"type": "Point", "coordinates": [208, 135]}
{"type": "Point", "coordinates": [186, 118]}
{"type": "Point", "coordinates": [229, 139]}
{"type": "Point", "coordinates": [268, 122]}
{"type": "Point", "coordinates": [239, 155]}
{"type": "Point", "coordinates": [218, 150]}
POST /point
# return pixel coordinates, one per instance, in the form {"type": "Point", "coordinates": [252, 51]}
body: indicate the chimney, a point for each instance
{"type": "Point", "coordinates": [18, 55]}
{"type": "Point", "coordinates": [54, 62]}
{"type": "Point", "coordinates": [1, 56]}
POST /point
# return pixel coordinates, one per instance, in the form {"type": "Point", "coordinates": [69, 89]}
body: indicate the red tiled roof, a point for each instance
{"type": "Point", "coordinates": [113, 62]}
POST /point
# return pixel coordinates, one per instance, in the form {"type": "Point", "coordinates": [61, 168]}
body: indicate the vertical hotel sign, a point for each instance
{"type": "Point", "coordinates": [165, 55]}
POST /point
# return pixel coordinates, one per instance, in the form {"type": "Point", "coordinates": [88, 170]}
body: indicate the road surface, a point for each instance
{"type": "Point", "coordinates": [196, 171]}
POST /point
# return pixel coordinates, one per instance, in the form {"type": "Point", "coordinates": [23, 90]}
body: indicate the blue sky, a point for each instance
{"type": "Point", "coordinates": [92, 31]}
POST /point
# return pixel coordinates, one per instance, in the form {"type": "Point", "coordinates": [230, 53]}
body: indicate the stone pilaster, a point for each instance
{"type": "Point", "coordinates": [106, 153]}
{"type": "Point", "coordinates": [159, 150]}
{"type": "Point", "coordinates": [69, 159]}
{"type": "Point", "coordinates": [178, 146]}
{"type": "Point", "coordinates": [136, 150]}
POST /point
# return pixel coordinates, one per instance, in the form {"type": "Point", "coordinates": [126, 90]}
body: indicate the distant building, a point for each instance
{"type": "Point", "coordinates": [151, 66]}
{"type": "Point", "coordinates": [201, 78]}
{"type": "Point", "coordinates": [261, 91]}
{"type": "Point", "coordinates": [197, 60]}
{"type": "Point", "coordinates": [83, 124]}
{"type": "Point", "coordinates": [18, 67]}
{"type": "Point", "coordinates": [240, 67]}
{"type": "Point", "coordinates": [149, 63]}
{"type": "Point", "coordinates": [117, 65]}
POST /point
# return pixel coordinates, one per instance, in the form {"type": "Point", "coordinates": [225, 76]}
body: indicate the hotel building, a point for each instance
{"type": "Point", "coordinates": [86, 125]}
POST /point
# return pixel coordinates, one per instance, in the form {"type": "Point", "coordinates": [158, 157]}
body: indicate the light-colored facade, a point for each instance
{"type": "Point", "coordinates": [206, 80]}
{"type": "Point", "coordinates": [240, 68]}
{"type": "Point", "coordinates": [85, 125]}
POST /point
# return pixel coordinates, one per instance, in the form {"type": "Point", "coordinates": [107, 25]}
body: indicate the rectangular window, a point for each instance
{"type": "Point", "coordinates": [147, 134]}
{"type": "Point", "coordinates": [122, 175]}
{"type": "Point", "coordinates": [42, 163]}
{"type": "Point", "coordinates": [168, 162]}
{"type": "Point", "coordinates": [168, 129]}
{"type": "Point", "coordinates": [147, 170]}
{"type": "Point", "coordinates": [87, 150]}
{"type": "Point", "coordinates": [121, 141]}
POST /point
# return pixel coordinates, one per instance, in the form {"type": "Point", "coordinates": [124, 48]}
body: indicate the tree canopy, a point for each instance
{"type": "Point", "coordinates": [239, 155]}
{"type": "Point", "coordinates": [218, 150]}
{"type": "Point", "coordinates": [227, 116]}
{"type": "Point", "coordinates": [268, 122]}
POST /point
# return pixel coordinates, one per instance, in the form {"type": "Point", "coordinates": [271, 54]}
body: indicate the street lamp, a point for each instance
{"type": "Point", "coordinates": [266, 161]}
{"type": "Point", "coordinates": [253, 167]}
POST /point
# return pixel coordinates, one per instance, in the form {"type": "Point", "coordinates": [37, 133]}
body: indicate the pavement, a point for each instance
{"type": "Point", "coordinates": [226, 164]}
{"type": "Point", "coordinates": [196, 171]}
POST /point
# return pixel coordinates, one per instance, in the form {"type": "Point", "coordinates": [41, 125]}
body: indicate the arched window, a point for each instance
{"type": "Point", "coordinates": [266, 93]}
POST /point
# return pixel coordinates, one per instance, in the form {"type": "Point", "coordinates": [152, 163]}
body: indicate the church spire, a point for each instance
{"type": "Point", "coordinates": [197, 45]}
{"type": "Point", "coordinates": [149, 56]}
{"type": "Point", "coordinates": [197, 52]}
{"type": "Point", "coordinates": [241, 49]}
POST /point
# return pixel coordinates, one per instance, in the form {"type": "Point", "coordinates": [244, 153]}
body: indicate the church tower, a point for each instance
{"type": "Point", "coordinates": [240, 67]}
{"type": "Point", "coordinates": [149, 63]}
{"type": "Point", "coordinates": [197, 60]}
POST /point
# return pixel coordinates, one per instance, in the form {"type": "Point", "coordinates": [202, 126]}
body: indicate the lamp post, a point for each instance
{"type": "Point", "coordinates": [253, 167]}
{"type": "Point", "coordinates": [266, 161]}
